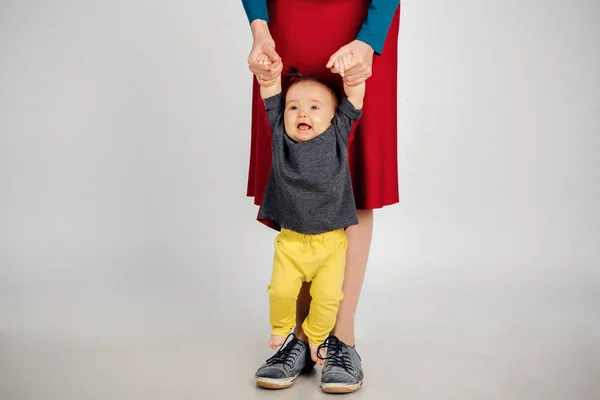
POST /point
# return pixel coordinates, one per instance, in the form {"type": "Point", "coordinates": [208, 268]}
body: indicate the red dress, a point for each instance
{"type": "Point", "coordinates": [306, 34]}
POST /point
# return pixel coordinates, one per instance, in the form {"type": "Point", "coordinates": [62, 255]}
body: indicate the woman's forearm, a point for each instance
{"type": "Point", "coordinates": [260, 28]}
{"type": "Point", "coordinates": [379, 18]}
{"type": "Point", "coordinates": [258, 16]}
{"type": "Point", "coordinates": [256, 9]}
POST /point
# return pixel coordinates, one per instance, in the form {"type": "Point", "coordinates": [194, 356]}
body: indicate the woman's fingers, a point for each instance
{"type": "Point", "coordinates": [266, 83]}
{"type": "Point", "coordinates": [263, 59]}
{"type": "Point", "coordinates": [266, 75]}
{"type": "Point", "coordinates": [255, 62]}
{"type": "Point", "coordinates": [355, 81]}
{"type": "Point", "coordinates": [357, 76]}
{"type": "Point", "coordinates": [346, 58]}
{"type": "Point", "coordinates": [265, 70]}
{"type": "Point", "coordinates": [352, 73]}
{"type": "Point", "coordinates": [342, 62]}
{"type": "Point", "coordinates": [335, 56]}
{"type": "Point", "coordinates": [276, 68]}
{"type": "Point", "coordinates": [352, 62]}
{"type": "Point", "coordinates": [260, 71]}
{"type": "Point", "coordinates": [339, 65]}
{"type": "Point", "coordinates": [357, 61]}
{"type": "Point", "coordinates": [264, 62]}
{"type": "Point", "coordinates": [356, 64]}
{"type": "Point", "coordinates": [357, 69]}
{"type": "Point", "coordinates": [271, 53]}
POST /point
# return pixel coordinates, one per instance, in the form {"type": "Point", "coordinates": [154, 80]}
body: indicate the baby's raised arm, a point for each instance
{"type": "Point", "coordinates": [355, 93]}
{"type": "Point", "coordinates": [268, 88]}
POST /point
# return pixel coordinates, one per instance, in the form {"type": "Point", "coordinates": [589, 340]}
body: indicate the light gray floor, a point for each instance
{"type": "Point", "coordinates": [463, 335]}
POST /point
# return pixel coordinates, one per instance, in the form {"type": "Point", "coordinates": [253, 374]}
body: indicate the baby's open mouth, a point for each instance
{"type": "Point", "coordinates": [304, 127]}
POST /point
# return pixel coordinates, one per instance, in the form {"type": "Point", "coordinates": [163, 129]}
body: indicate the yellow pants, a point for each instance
{"type": "Point", "coordinates": [319, 259]}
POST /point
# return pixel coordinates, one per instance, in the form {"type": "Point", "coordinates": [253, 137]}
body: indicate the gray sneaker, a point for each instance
{"type": "Point", "coordinates": [342, 372]}
{"type": "Point", "coordinates": [281, 370]}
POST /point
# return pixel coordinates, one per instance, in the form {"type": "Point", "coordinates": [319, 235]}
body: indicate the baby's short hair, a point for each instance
{"type": "Point", "coordinates": [294, 76]}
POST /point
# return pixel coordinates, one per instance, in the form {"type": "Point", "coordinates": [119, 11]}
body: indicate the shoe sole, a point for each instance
{"type": "Point", "coordinates": [268, 383]}
{"type": "Point", "coordinates": [340, 387]}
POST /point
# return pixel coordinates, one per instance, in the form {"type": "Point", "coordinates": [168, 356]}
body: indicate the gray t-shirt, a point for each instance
{"type": "Point", "coordinates": [309, 189]}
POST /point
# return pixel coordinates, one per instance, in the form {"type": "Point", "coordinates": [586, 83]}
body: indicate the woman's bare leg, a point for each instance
{"type": "Point", "coordinates": [357, 255]}
{"type": "Point", "coordinates": [302, 307]}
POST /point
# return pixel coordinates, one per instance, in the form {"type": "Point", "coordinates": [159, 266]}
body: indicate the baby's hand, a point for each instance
{"type": "Point", "coordinates": [344, 62]}
{"type": "Point", "coordinates": [272, 86]}
{"type": "Point", "coordinates": [265, 60]}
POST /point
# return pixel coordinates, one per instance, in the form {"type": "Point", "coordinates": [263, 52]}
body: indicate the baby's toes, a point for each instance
{"type": "Point", "coordinates": [276, 341]}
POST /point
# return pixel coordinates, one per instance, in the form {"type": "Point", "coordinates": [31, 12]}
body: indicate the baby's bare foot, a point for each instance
{"type": "Point", "coordinates": [313, 354]}
{"type": "Point", "coordinates": [276, 341]}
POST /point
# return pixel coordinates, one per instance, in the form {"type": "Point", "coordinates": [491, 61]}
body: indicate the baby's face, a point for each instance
{"type": "Point", "coordinates": [309, 109]}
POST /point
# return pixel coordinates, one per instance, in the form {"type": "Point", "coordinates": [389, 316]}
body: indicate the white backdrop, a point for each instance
{"type": "Point", "coordinates": [124, 144]}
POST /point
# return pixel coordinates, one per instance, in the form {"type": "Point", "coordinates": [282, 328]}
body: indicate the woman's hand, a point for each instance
{"type": "Point", "coordinates": [266, 69]}
{"type": "Point", "coordinates": [361, 70]}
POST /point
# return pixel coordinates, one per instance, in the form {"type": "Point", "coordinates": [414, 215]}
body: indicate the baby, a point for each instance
{"type": "Point", "coordinates": [309, 199]}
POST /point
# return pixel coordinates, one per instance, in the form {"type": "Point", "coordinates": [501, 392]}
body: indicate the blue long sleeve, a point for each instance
{"type": "Point", "coordinates": [256, 9]}
{"type": "Point", "coordinates": [373, 31]}
{"type": "Point", "coordinates": [375, 28]}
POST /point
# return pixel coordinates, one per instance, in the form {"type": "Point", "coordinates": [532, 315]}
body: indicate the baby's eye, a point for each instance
{"type": "Point", "coordinates": [314, 108]}
{"type": "Point", "coordinates": [293, 108]}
